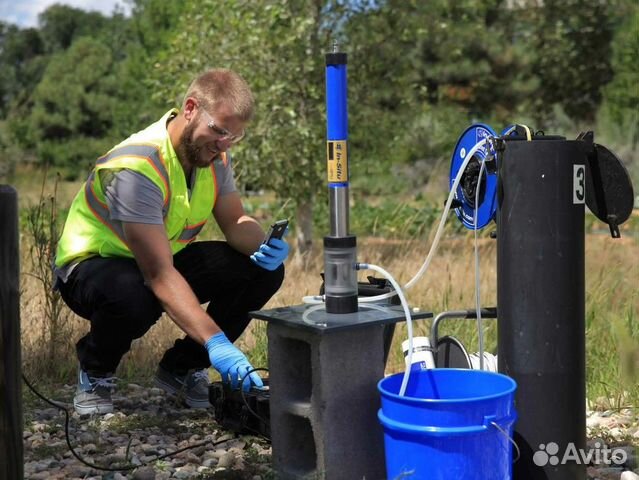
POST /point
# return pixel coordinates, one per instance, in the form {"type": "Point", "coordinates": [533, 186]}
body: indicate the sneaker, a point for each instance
{"type": "Point", "coordinates": [192, 388]}
{"type": "Point", "coordinates": [93, 394]}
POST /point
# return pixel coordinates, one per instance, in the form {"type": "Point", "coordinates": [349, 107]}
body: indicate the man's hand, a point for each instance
{"type": "Point", "coordinates": [271, 255]}
{"type": "Point", "coordinates": [232, 364]}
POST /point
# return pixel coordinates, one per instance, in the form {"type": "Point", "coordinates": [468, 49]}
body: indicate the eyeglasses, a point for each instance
{"type": "Point", "coordinates": [221, 132]}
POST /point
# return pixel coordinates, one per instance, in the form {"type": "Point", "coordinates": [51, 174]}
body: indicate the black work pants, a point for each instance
{"type": "Point", "coordinates": [112, 295]}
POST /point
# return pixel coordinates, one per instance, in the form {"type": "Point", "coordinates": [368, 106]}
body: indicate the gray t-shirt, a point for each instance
{"type": "Point", "coordinates": [133, 197]}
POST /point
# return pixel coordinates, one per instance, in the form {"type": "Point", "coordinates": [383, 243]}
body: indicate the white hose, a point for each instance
{"type": "Point", "coordinates": [409, 322]}
{"type": "Point", "coordinates": [313, 299]}
{"type": "Point", "coordinates": [440, 228]}
{"type": "Point", "coordinates": [480, 327]}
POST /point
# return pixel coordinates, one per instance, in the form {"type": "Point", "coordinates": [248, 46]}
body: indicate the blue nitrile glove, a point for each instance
{"type": "Point", "coordinates": [271, 255]}
{"type": "Point", "coordinates": [232, 364]}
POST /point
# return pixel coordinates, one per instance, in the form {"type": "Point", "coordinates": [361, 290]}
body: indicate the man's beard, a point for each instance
{"type": "Point", "coordinates": [189, 151]}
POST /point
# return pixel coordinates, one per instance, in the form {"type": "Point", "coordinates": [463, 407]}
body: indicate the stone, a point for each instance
{"type": "Point", "coordinates": [609, 472]}
{"type": "Point", "coordinates": [184, 473]}
{"type": "Point", "coordinates": [227, 460]}
{"type": "Point", "coordinates": [40, 476]}
{"type": "Point", "coordinates": [594, 421]}
{"type": "Point", "coordinates": [616, 432]}
{"type": "Point", "coordinates": [596, 444]}
{"type": "Point", "coordinates": [629, 476]}
{"type": "Point", "coordinates": [116, 458]}
{"type": "Point", "coordinates": [624, 420]}
{"type": "Point", "coordinates": [630, 453]}
{"type": "Point", "coordinates": [90, 448]}
{"type": "Point", "coordinates": [144, 473]}
{"type": "Point", "coordinates": [219, 453]}
{"type": "Point", "coordinates": [78, 471]}
{"type": "Point", "coordinates": [86, 437]}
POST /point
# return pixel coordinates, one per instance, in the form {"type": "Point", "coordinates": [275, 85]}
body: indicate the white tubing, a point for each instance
{"type": "Point", "coordinates": [313, 299]}
{"type": "Point", "coordinates": [480, 327]}
{"type": "Point", "coordinates": [440, 228]}
{"type": "Point", "coordinates": [409, 322]}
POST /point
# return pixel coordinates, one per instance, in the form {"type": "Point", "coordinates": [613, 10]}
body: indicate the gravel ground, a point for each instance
{"type": "Point", "coordinates": [148, 423]}
{"type": "Point", "coordinates": [614, 429]}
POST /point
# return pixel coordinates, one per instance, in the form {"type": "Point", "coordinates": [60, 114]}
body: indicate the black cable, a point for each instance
{"type": "Point", "coordinates": [109, 469]}
{"type": "Point", "coordinates": [243, 395]}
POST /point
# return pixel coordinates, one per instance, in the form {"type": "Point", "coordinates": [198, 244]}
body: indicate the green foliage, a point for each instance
{"type": "Point", "coordinates": [571, 46]}
{"type": "Point", "coordinates": [70, 125]}
{"type": "Point", "coordinates": [621, 95]}
{"type": "Point", "coordinates": [21, 64]}
{"type": "Point", "coordinates": [66, 104]}
{"type": "Point", "coordinates": [419, 72]}
{"type": "Point", "coordinates": [146, 36]}
{"type": "Point", "coordinates": [61, 25]}
{"type": "Point", "coordinates": [83, 105]}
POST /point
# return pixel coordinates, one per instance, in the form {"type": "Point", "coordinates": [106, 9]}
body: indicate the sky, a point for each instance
{"type": "Point", "coordinates": [24, 13]}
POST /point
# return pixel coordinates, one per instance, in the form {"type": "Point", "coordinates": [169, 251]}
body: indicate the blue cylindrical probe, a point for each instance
{"type": "Point", "coordinates": [340, 248]}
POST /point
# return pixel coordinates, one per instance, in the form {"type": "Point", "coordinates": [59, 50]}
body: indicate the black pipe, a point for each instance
{"type": "Point", "coordinates": [541, 298]}
{"type": "Point", "coordinates": [11, 455]}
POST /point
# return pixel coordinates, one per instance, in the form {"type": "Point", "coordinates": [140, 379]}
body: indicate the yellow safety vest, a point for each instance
{"type": "Point", "coordinates": [89, 231]}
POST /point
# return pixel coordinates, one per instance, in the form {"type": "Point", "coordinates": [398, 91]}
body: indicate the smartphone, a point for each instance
{"type": "Point", "coordinates": [276, 230]}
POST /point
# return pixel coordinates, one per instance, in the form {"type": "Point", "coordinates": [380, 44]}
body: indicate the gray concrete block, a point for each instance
{"type": "Point", "coordinates": [324, 403]}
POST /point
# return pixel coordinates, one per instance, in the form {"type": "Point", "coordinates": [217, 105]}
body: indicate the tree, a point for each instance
{"type": "Point", "coordinates": [278, 47]}
{"type": "Point", "coordinates": [422, 71]}
{"type": "Point", "coordinates": [146, 35]}
{"type": "Point", "coordinates": [21, 64]}
{"type": "Point", "coordinates": [60, 25]}
{"type": "Point", "coordinates": [571, 44]}
{"type": "Point", "coordinates": [72, 108]}
{"type": "Point", "coordinates": [621, 95]}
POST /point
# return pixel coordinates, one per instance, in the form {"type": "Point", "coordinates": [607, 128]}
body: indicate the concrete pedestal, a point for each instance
{"type": "Point", "coordinates": [323, 374]}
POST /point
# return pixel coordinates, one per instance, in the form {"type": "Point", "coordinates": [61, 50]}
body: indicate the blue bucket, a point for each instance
{"type": "Point", "coordinates": [451, 424]}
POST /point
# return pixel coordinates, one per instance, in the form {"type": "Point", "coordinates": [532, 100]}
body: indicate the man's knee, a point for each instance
{"type": "Point", "coordinates": [135, 306]}
{"type": "Point", "coordinates": [272, 279]}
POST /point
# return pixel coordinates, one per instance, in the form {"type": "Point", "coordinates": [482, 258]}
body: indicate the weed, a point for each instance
{"type": "Point", "coordinates": [42, 237]}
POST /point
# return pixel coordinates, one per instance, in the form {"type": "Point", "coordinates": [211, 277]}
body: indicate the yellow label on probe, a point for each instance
{"type": "Point", "coordinates": [337, 161]}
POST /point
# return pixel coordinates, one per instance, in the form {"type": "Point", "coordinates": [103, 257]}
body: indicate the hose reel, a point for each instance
{"type": "Point", "coordinates": [608, 189]}
{"type": "Point", "coordinates": [465, 194]}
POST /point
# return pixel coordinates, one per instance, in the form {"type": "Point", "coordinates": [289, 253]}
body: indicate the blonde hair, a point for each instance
{"type": "Point", "coordinates": [221, 86]}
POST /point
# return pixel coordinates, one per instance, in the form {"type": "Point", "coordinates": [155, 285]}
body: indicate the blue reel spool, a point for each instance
{"type": "Point", "coordinates": [465, 193]}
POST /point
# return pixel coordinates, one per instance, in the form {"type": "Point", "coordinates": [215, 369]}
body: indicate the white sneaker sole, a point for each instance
{"type": "Point", "coordinates": [93, 409]}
